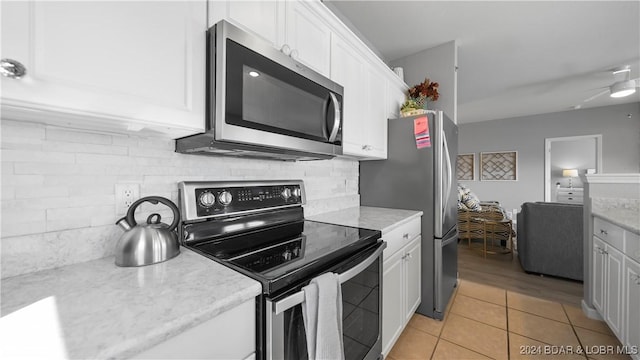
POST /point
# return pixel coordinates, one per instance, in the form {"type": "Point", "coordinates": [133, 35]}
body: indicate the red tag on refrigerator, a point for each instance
{"type": "Point", "coordinates": [420, 125]}
{"type": "Point", "coordinates": [421, 132]}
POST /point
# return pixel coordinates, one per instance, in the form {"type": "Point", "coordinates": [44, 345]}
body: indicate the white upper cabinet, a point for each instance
{"type": "Point", "coordinates": [118, 66]}
{"type": "Point", "coordinates": [348, 71]}
{"type": "Point", "coordinates": [374, 122]}
{"type": "Point", "coordinates": [295, 27]}
{"type": "Point", "coordinates": [308, 36]}
{"type": "Point", "coordinates": [311, 34]}
{"type": "Point", "coordinates": [364, 132]}
{"type": "Point", "coordinates": [263, 18]}
{"type": "Point", "coordinates": [396, 95]}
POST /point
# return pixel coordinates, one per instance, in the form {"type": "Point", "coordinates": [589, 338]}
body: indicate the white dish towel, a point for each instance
{"type": "Point", "coordinates": [322, 314]}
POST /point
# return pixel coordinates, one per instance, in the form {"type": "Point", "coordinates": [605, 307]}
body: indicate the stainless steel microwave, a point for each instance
{"type": "Point", "coordinates": [263, 103]}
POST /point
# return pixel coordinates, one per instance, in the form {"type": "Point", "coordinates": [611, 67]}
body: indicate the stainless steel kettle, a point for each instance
{"type": "Point", "coordinates": [148, 243]}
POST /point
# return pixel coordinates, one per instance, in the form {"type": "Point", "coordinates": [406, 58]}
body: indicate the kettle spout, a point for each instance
{"type": "Point", "coordinates": [124, 224]}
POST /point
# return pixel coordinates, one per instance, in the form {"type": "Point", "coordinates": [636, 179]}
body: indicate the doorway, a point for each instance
{"type": "Point", "coordinates": [581, 153]}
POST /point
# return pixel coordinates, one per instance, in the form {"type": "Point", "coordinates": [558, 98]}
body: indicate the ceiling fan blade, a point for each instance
{"type": "Point", "coordinates": [595, 96]}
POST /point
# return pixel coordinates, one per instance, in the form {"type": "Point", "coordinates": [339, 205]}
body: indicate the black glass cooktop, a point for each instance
{"type": "Point", "coordinates": [285, 254]}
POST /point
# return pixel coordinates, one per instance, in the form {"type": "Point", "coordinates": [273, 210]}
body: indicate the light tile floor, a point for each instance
{"type": "Point", "coordinates": [484, 322]}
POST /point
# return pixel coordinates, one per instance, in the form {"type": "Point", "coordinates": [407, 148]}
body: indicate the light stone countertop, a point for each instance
{"type": "Point", "coordinates": [374, 218]}
{"type": "Point", "coordinates": [622, 212]}
{"type": "Point", "coordinates": [105, 311]}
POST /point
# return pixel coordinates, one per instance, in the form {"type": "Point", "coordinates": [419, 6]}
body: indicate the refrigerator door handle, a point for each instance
{"type": "Point", "coordinates": [449, 174]}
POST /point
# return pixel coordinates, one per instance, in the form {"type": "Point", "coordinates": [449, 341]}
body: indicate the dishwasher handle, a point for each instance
{"type": "Point", "coordinates": [298, 298]}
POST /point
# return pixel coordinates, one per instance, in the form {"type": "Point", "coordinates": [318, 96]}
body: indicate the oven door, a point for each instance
{"type": "Point", "coordinates": [361, 279]}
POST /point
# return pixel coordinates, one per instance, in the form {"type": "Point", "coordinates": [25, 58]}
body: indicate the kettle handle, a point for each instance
{"type": "Point", "coordinates": [154, 200]}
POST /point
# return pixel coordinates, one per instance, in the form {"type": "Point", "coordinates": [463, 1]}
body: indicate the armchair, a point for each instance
{"type": "Point", "coordinates": [471, 216]}
{"type": "Point", "coordinates": [471, 226]}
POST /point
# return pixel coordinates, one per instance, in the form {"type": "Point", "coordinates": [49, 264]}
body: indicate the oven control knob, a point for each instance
{"type": "Point", "coordinates": [225, 198]}
{"type": "Point", "coordinates": [297, 192]}
{"type": "Point", "coordinates": [286, 193]}
{"type": "Point", "coordinates": [207, 199]}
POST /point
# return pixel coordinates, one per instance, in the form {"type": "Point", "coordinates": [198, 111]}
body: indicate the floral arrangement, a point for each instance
{"type": "Point", "coordinates": [418, 94]}
{"type": "Point", "coordinates": [427, 89]}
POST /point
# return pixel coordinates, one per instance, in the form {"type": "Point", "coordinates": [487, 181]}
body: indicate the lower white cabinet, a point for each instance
{"type": "Point", "coordinates": [599, 259]}
{"type": "Point", "coordinates": [613, 290]}
{"type": "Point", "coordinates": [230, 335]}
{"type": "Point", "coordinates": [631, 303]}
{"type": "Point", "coordinates": [616, 282]}
{"type": "Point", "coordinates": [401, 281]}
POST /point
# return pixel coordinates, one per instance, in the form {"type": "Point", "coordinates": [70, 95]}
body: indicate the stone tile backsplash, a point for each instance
{"type": "Point", "coordinates": [58, 188]}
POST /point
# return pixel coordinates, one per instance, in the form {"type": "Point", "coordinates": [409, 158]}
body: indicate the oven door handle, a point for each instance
{"type": "Point", "coordinates": [298, 298]}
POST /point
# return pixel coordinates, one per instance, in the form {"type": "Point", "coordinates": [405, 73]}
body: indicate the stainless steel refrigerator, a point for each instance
{"type": "Point", "coordinates": [419, 177]}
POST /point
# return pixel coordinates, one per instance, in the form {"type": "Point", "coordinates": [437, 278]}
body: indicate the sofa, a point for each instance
{"type": "Point", "coordinates": [550, 239]}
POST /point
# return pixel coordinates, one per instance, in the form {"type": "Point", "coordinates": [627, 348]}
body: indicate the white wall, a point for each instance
{"type": "Point", "coordinates": [620, 146]}
{"type": "Point", "coordinates": [58, 188]}
{"type": "Point", "coordinates": [439, 64]}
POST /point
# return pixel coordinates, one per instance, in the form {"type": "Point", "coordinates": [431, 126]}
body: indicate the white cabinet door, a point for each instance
{"type": "Point", "coordinates": [308, 36]}
{"type": "Point", "coordinates": [396, 97]}
{"type": "Point", "coordinates": [392, 301]}
{"type": "Point", "coordinates": [120, 65]}
{"type": "Point", "coordinates": [263, 18]}
{"type": "Point", "coordinates": [599, 263]}
{"type": "Point", "coordinates": [375, 121]}
{"type": "Point", "coordinates": [613, 290]}
{"type": "Point", "coordinates": [230, 335]}
{"type": "Point", "coordinates": [631, 302]}
{"type": "Point", "coordinates": [413, 277]}
{"type": "Point", "coordinates": [348, 71]}
{"type": "Point", "coordinates": [401, 284]}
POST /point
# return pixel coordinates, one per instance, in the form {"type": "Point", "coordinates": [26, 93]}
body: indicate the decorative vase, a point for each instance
{"type": "Point", "coordinates": [422, 102]}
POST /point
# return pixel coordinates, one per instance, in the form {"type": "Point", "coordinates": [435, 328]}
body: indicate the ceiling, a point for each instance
{"type": "Point", "coordinates": [515, 58]}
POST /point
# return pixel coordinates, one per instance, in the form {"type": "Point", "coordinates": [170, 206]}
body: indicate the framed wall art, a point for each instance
{"type": "Point", "coordinates": [499, 165]}
{"type": "Point", "coordinates": [466, 167]}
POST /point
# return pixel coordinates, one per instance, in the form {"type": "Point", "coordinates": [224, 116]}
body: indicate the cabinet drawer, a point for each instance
{"type": "Point", "coordinates": [632, 246]}
{"type": "Point", "coordinates": [611, 234]}
{"type": "Point", "coordinates": [400, 236]}
{"type": "Point", "coordinates": [570, 198]}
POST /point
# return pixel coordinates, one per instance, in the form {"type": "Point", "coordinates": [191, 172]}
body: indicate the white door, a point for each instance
{"type": "Point", "coordinates": [142, 62]}
{"type": "Point", "coordinates": [413, 278]}
{"type": "Point", "coordinates": [375, 121]}
{"type": "Point", "coordinates": [308, 36]}
{"type": "Point", "coordinates": [599, 263]}
{"type": "Point", "coordinates": [392, 300]}
{"type": "Point", "coordinates": [613, 290]}
{"type": "Point", "coordinates": [631, 313]}
{"type": "Point", "coordinates": [348, 71]}
{"type": "Point", "coordinates": [263, 18]}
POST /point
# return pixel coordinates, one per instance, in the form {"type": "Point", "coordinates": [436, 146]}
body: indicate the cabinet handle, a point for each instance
{"type": "Point", "coordinates": [635, 278]}
{"type": "Point", "coordinates": [366, 147]}
{"type": "Point", "coordinates": [12, 69]}
{"type": "Point", "coordinates": [286, 49]}
{"type": "Point", "coordinates": [405, 236]}
{"type": "Point", "coordinates": [603, 232]}
{"type": "Point", "coordinates": [294, 56]}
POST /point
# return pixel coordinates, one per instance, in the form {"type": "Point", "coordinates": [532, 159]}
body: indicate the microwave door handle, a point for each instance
{"type": "Point", "coordinates": [298, 298]}
{"type": "Point", "coordinates": [336, 117]}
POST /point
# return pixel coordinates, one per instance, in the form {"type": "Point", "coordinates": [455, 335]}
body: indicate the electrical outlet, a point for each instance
{"type": "Point", "coordinates": [126, 194]}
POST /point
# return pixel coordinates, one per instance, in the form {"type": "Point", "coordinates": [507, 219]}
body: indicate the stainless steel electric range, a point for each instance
{"type": "Point", "coordinates": [258, 228]}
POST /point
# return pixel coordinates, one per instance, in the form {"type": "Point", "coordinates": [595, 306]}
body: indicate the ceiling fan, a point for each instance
{"type": "Point", "coordinates": [620, 88]}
